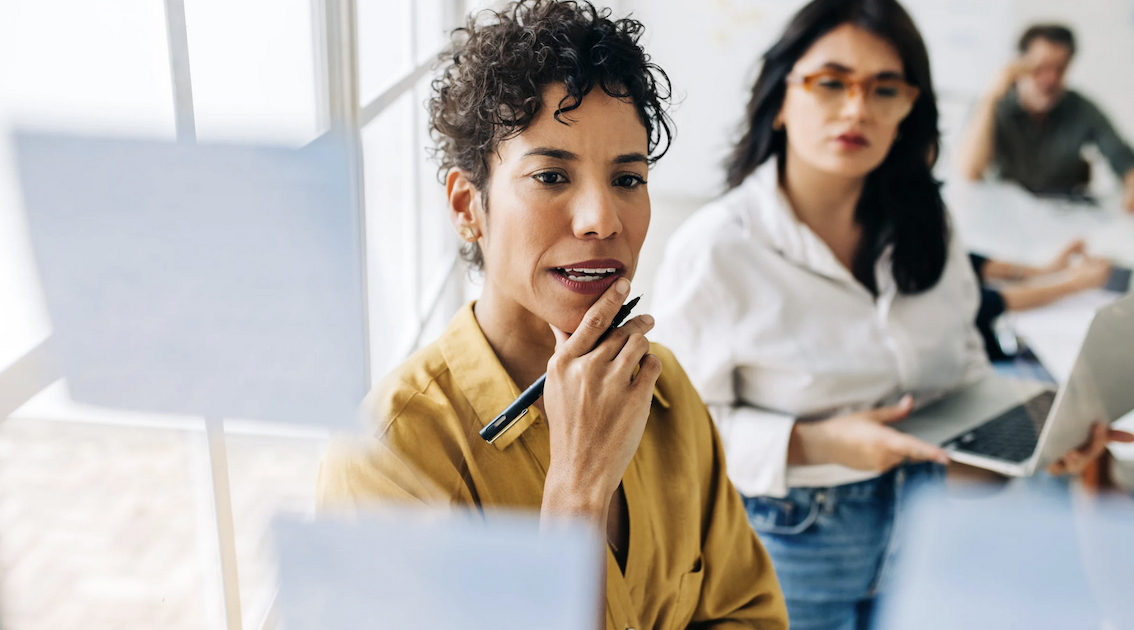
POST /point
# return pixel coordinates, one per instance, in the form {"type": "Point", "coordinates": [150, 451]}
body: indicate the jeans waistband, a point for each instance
{"type": "Point", "coordinates": [880, 486]}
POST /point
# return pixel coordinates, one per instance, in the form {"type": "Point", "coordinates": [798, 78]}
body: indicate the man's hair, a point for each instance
{"type": "Point", "coordinates": [1054, 33]}
{"type": "Point", "coordinates": [498, 65]}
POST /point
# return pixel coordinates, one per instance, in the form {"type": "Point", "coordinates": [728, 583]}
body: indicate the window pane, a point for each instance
{"type": "Point", "coordinates": [383, 45]}
{"type": "Point", "coordinates": [100, 528]}
{"type": "Point", "coordinates": [432, 31]}
{"type": "Point", "coordinates": [392, 276]}
{"type": "Point", "coordinates": [86, 66]}
{"type": "Point", "coordinates": [438, 240]}
{"type": "Point", "coordinates": [253, 69]}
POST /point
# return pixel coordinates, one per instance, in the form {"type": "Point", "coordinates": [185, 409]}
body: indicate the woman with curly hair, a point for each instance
{"type": "Point", "coordinates": [547, 116]}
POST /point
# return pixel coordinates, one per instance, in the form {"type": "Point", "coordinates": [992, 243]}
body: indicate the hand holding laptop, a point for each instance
{"type": "Point", "coordinates": [1018, 427]}
{"type": "Point", "coordinates": [1076, 460]}
{"type": "Point", "coordinates": [862, 441]}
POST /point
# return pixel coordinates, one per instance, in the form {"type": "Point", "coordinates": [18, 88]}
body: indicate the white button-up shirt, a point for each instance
{"type": "Point", "coordinates": [773, 329]}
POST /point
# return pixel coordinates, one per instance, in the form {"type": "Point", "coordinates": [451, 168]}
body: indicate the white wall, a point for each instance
{"type": "Point", "coordinates": [710, 50]}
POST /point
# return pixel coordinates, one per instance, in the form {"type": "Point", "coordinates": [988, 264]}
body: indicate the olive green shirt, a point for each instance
{"type": "Point", "coordinates": [693, 559]}
{"type": "Point", "coordinates": [1044, 154]}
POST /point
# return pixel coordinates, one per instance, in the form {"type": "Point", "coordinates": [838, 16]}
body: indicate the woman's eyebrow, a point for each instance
{"type": "Point", "coordinates": [555, 154]}
{"type": "Point", "coordinates": [630, 158]}
{"type": "Point", "coordinates": [885, 74]}
{"type": "Point", "coordinates": [838, 67]}
{"type": "Point", "coordinates": [567, 156]}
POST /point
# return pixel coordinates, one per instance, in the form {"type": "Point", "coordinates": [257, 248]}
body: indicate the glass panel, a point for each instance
{"type": "Point", "coordinates": [269, 475]}
{"type": "Point", "coordinates": [390, 234]}
{"type": "Point", "coordinates": [383, 45]}
{"type": "Point", "coordinates": [72, 66]}
{"type": "Point", "coordinates": [23, 318]}
{"type": "Point", "coordinates": [253, 68]}
{"type": "Point", "coordinates": [101, 528]}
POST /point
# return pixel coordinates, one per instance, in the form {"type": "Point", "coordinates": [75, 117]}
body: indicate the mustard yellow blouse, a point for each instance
{"type": "Point", "coordinates": [693, 559]}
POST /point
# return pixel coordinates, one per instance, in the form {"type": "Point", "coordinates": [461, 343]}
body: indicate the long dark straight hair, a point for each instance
{"type": "Point", "coordinates": [901, 201]}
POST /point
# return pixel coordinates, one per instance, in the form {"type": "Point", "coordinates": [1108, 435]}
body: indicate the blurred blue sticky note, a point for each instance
{"type": "Point", "coordinates": [414, 569]}
{"type": "Point", "coordinates": [223, 281]}
{"type": "Point", "coordinates": [1018, 560]}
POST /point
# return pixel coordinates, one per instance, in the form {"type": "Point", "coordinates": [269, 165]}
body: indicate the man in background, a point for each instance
{"type": "Point", "coordinates": [1032, 128]}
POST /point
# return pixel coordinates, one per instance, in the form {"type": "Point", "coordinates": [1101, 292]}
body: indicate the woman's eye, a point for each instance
{"type": "Point", "coordinates": [629, 181]}
{"type": "Point", "coordinates": [886, 91]}
{"type": "Point", "coordinates": [833, 85]}
{"type": "Point", "coordinates": [550, 177]}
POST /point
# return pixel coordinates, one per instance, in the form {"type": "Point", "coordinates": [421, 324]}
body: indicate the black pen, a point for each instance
{"type": "Point", "coordinates": [519, 407]}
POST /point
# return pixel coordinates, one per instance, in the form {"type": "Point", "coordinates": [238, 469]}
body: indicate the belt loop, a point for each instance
{"type": "Point", "coordinates": [825, 499]}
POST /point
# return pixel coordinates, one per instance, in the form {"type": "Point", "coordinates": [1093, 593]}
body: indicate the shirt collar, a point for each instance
{"type": "Point", "coordinates": [776, 224]}
{"type": "Point", "coordinates": [482, 379]}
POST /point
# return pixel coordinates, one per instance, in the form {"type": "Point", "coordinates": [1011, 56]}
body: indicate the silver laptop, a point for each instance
{"type": "Point", "coordinates": [1017, 427]}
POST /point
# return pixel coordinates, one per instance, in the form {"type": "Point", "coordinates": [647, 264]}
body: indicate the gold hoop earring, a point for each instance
{"type": "Point", "coordinates": [468, 234]}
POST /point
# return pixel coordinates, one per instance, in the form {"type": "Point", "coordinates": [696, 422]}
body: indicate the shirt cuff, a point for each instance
{"type": "Point", "coordinates": [755, 444]}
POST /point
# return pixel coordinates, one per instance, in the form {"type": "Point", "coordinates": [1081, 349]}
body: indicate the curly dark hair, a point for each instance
{"type": "Point", "coordinates": [494, 73]}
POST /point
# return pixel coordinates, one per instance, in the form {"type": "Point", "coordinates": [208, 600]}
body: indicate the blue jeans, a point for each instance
{"type": "Point", "coordinates": [832, 547]}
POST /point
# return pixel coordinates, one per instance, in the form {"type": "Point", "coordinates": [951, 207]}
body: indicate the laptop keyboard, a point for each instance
{"type": "Point", "coordinates": [1012, 436]}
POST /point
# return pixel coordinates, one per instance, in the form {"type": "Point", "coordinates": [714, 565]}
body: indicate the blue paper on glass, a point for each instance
{"type": "Point", "coordinates": [1014, 560]}
{"type": "Point", "coordinates": [222, 281]}
{"type": "Point", "coordinates": [416, 570]}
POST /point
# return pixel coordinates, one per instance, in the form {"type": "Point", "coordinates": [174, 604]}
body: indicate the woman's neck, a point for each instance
{"type": "Point", "coordinates": [825, 203]}
{"type": "Point", "coordinates": [522, 341]}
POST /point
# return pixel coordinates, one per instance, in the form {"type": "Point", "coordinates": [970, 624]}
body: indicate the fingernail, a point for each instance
{"type": "Point", "coordinates": [648, 320]}
{"type": "Point", "coordinates": [906, 400]}
{"type": "Point", "coordinates": [622, 286]}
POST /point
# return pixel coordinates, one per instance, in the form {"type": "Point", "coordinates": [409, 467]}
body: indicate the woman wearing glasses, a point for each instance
{"type": "Point", "coordinates": [823, 293]}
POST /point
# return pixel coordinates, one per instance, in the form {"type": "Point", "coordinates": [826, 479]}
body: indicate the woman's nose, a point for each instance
{"type": "Point", "coordinates": [596, 216]}
{"type": "Point", "coordinates": [856, 105]}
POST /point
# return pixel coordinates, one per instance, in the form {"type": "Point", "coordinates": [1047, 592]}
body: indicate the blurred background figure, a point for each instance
{"type": "Point", "coordinates": [1031, 129]}
{"type": "Point", "coordinates": [1008, 286]}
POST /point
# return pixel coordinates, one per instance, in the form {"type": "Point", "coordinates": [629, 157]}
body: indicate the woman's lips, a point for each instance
{"type": "Point", "coordinates": [590, 277]}
{"type": "Point", "coordinates": [591, 287]}
{"type": "Point", "coordinates": [852, 141]}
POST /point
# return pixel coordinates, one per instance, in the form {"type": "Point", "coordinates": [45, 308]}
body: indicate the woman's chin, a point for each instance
{"type": "Point", "coordinates": [567, 320]}
{"type": "Point", "coordinates": [852, 165]}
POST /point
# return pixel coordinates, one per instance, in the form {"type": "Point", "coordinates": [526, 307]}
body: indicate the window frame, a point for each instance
{"type": "Point", "coordinates": [339, 110]}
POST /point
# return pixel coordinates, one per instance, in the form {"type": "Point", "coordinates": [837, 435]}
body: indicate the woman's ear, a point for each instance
{"type": "Point", "coordinates": [464, 205]}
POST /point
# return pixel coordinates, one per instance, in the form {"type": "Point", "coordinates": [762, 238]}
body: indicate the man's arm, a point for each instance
{"type": "Point", "coordinates": [1128, 191]}
{"type": "Point", "coordinates": [1117, 153]}
{"type": "Point", "coordinates": [979, 144]}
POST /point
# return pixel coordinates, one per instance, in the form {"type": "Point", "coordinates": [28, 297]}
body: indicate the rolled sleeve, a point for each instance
{"type": "Point", "coordinates": [755, 446]}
